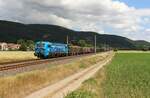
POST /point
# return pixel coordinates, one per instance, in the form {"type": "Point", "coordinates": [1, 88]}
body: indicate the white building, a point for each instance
{"type": "Point", "coordinates": [3, 46]}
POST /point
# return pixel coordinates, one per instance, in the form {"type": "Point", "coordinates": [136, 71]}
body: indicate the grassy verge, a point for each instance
{"type": "Point", "coordinates": [132, 51]}
{"type": "Point", "coordinates": [11, 56]}
{"type": "Point", "coordinates": [128, 76]}
{"type": "Point", "coordinates": [91, 88]}
{"type": "Point", "coordinates": [23, 84]}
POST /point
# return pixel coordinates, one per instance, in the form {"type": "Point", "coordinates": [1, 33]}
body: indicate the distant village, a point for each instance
{"type": "Point", "coordinates": [21, 45]}
{"type": "Point", "coordinates": [9, 46]}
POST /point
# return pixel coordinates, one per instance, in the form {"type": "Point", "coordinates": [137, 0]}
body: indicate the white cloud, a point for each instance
{"type": "Point", "coordinates": [143, 12]}
{"type": "Point", "coordinates": [147, 30]}
{"type": "Point", "coordinates": [90, 15]}
{"type": "Point", "coordinates": [1, 3]}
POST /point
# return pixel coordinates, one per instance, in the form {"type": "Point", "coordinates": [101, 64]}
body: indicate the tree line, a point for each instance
{"type": "Point", "coordinates": [28, 45]}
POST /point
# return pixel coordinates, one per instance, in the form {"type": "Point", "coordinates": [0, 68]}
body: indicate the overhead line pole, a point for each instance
{"type": "Point", "coordinates": [95, 42]}
{"type": "Point", "coordinates": [67, 42]}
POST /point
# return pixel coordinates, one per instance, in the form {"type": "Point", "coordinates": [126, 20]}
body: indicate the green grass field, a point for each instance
{"type": "Point", "coordinates": [128, 76]}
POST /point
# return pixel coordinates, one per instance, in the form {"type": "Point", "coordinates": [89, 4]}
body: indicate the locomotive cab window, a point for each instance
{"type": "Point", "coordinates": [40, 45]}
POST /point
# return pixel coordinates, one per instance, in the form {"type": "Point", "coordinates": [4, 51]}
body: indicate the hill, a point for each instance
{"type": "Point", "coordinates": [12, 31]}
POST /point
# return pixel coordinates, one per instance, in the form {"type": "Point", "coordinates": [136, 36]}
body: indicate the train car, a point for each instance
{"type": "Point", "coordinates": [48, 49]}
{"type": "Point", "coordinates": [87, 50]}
{"type": "Point", "coordinates": [74, 50]}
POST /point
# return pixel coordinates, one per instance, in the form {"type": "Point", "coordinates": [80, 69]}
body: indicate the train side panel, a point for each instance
{"type": "Point", "coordinates": [57, 49]}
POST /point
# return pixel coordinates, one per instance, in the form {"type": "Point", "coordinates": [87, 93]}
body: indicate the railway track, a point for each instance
{"type": "Point", "coordinates": [11, 66]}
{"type": "Point", "coordinates": [13, 62]}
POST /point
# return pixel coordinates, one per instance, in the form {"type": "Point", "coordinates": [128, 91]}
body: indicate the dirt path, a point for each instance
{"type": "Point", "coordinates": [71, 83]}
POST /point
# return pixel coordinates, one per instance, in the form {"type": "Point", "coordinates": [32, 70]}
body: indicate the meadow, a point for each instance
{"type": "Point", "coordinates": [13, 56]}
{"type": "Point", "coordinates": [128, 76]}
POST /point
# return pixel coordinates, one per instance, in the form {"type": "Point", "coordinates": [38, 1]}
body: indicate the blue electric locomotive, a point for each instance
{"type": "Point", "coordinates": [48, 49]}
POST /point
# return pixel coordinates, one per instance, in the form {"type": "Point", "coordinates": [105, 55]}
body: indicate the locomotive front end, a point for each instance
{"type": "Point", "coordinates": [41, 50]}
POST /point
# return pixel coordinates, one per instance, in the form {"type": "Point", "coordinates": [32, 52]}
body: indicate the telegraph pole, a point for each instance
{"type": "Point", "coordinates": [95, 43]}
{"type": "Point", "coordinates": [67, 40]}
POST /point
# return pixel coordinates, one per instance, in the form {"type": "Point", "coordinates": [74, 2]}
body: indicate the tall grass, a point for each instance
{"type": "Point", "coordinates": [23, 84]}
{"type": "Point", "coordinates": [10, 56]}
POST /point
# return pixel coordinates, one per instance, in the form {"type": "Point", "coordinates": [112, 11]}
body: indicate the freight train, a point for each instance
{"type": "Point", "coordinates": [45, 50]}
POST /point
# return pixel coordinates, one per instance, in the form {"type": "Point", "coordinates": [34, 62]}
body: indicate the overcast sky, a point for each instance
{"type": "Point", "coordinates": [129, 18]}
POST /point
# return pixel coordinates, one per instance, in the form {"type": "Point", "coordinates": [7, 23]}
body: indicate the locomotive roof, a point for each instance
{"type": "Point", "coordinates": [50, 43]}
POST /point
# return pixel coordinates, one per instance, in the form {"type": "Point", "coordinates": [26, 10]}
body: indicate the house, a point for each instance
{"type": "Point", "coordinates": [9, 46]}
{"type": "Point", "coordinates": [12, 46]}
{"type": "Point", "coordinates": [3, 46]}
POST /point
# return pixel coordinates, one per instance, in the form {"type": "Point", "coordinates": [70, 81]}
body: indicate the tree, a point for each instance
{"type": "Point", "coordinates": [26, 45]}
{"type": "Point", "coordinates": [30, 44]}
{"type": "Point", "coordinates": [82, 43]}
{"type": "Point", "coordinates": [23, 47]}
{"type": "Point", "coordinates": [20, 41]}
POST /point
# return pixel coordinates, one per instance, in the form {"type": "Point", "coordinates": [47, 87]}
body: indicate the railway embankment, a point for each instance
{"type": "Point", "coordinates": [10, 69]}
{"type": "Point", "coordinates": [23, 84]}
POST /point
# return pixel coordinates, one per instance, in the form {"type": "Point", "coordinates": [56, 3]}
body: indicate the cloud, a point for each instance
{"type": "Point", "coordinates": [143, 12]}
{"type": "Point", "coordinates": [110, 16]}
{"type": "Point", "coordinates": [147, 30]}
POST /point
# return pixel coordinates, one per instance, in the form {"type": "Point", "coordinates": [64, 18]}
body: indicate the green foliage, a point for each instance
{"type": "Point", "coordinates": [83, 43]}
{"type": "Point", "coordinates": [23, 47]}
{"type": "Point", "coordinates": [20, 41]}
{"type": "Point", "coordinates": [142, 45]}
{"type": "Point", "coordinates": [30, 44]}
{"type": "Point", "coordinates": [81, 94]}
{"type": "Point", "coordinates": [128, 76]}
{"type": "Point", "coordinates": [26, 45]}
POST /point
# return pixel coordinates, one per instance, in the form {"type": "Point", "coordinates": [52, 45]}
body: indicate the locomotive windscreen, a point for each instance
{"type": "Point", "coordinates": [40, 45]}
